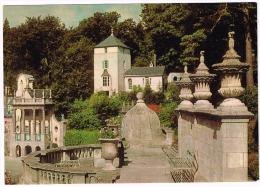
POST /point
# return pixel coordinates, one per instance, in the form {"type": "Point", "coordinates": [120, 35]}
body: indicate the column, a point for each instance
{"type": "Point", "coordinates": [14, 120]}
{"type": "Point", "coordinates": [22, 125]}
{"type": "Point", "coordinates": [43, 120]}
{"type": "Point", "coordinates": [29, 130]}
{"type": "Point", "coordinates": [33, 126]}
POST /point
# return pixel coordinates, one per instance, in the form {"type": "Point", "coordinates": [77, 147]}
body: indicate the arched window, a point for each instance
{"type": "Point", "coordinates": [105, 64]}
{"type": "Point", "coordinates": [18, 151]}
{"type": "Point", "coordinates": [130, 84]}
{"type": "Point", "coordinates": [106, 81]}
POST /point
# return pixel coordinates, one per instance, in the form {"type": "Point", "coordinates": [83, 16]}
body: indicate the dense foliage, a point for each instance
{"type": "Point", "coordinates": [81, 137]}
{"type": "Point", "coordinates": [167, 115]}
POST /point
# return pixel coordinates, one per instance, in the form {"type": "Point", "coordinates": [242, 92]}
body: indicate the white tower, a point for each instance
{"type": "Point", "coordinates": [111, 59]}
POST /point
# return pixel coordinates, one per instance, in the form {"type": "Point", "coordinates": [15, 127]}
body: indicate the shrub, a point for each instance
{"type": "Point", "coordinates": [104, 107]}
{"type": "Point", "coordinates": [253, 167]}
{"type": "Point", "coordinates": [153, 97]}
{"type": "Point", "coordinates": [154, 107]}
{"type": "Point", "coordinates": [84, 119]}
{"type": "Point", "coordinates": [167, 115]}
{"type": "Point", "coordinates": [81, 137]}
{"type": "Point", "coordinates": [249, 97]}
{"type": "Point", "coordinates": [172, 93]}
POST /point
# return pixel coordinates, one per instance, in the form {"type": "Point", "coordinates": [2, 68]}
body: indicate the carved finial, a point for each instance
{"type": "Point", "coordinates": [185, 67]}
{"type": "Point", "coordinates": [202, 58]}
{"type": "Point", "coordinates": [112, 31]}
{"type": "Point", "coordinates": [231, 42]}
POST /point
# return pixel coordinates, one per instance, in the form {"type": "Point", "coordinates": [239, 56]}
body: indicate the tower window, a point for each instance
{"type": "Point", "coordinates": [106, 81]}
{"type": "Point", "coordinates": [105, 64]}
{"type": "Point", "coordinates": [130, 84]}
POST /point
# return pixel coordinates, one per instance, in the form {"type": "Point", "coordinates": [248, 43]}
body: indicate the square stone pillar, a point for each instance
{"type": "Point", "coordinates": [235, 149]}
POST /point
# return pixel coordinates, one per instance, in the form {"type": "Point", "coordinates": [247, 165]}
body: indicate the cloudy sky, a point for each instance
{"type": "Point", "coordinates": [70, 15]}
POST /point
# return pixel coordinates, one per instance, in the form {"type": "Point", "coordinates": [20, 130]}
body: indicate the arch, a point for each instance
{"type": "Point", "coordinates": [37, 148]}
{"type": "Point", "coordinates": [18, 151]}
{"type": "Point", "coordinates": [28, 149]}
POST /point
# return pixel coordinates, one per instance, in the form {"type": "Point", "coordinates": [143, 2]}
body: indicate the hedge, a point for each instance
{"type": "Point", "coordinates": [81, 137]}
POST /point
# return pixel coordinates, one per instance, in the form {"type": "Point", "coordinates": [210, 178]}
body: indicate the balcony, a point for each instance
{"type": "Point", "coordinates": [36, 97]}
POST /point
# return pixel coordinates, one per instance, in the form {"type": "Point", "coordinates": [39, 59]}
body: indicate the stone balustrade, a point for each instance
{"type": "Point", "coordinates": [66, 165]}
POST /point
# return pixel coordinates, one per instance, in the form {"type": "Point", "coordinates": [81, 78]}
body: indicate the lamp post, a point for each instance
{"type": "Point", "coordinates": [230, 71]}
{"type": "Point", "coordinates": [186, 93]}
{"type": "Point", "coordinates": [202, 79]}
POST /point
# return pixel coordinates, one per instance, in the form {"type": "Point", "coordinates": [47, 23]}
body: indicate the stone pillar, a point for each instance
{"type": "Point", "coordinates": [43, 120]}
{"type": "Point", "coordinates": [235, 148]}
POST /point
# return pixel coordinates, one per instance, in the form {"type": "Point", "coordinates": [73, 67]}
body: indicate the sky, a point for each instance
{"type": "Point", "coordinates": [70, 15]}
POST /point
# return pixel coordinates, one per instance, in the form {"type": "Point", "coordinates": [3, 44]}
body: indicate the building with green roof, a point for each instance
{"type": "Point", "coordinates": [113, 72]}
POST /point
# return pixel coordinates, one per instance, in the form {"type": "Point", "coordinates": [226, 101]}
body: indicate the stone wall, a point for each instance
{"type": "Point", "coordinates": [219, 141]}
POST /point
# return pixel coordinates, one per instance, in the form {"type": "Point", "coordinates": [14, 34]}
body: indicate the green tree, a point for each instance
{"type": "Point", "coordinates": [98, 27]}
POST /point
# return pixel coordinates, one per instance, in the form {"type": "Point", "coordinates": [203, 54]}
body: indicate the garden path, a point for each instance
{"type": "Point", "coordinates": [145, 165]}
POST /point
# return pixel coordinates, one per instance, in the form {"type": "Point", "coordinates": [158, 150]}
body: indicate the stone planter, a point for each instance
{"type": "Point", "coordinates": [169, 136]}
{"type": "Point", "coordinates": [109, 152]}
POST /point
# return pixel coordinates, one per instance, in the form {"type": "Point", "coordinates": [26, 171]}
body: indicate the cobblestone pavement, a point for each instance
{"type": "Point", "coordinates": [145, 165]}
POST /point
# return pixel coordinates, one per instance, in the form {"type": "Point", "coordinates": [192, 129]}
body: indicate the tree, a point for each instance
{"type": "Point", "coordinates": [72, 73]}
{"type": "Point", "coordinates": [26, 45]}
{"type": "Point", "coordinates": [98, 27]}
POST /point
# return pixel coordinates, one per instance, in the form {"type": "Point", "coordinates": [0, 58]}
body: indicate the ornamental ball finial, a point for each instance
{"type": "Point", "coordinates": [140, 95]}
{"type": "Point", "coordinates": [202, 58]}
{"type": "Point", "coordinates": [185, 67]}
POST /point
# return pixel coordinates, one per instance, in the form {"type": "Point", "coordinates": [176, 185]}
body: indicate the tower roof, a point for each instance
{"type": "Point", "coordinates": [111, 41]}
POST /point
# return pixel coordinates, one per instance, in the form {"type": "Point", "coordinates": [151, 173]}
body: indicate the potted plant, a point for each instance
{"type": "Point", "coordinates": [169, 134]}
{"type": "Point", "coordinates": [114, 124]}
{"type": "Point", "coordinates": [109, 148]}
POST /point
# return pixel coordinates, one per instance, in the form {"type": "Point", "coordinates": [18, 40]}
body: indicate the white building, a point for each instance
{"type": "Point", "coordinates": [111, 59]}
{"type": "Point", "coordinates": [174, 76]}
{"type": "Point", "coordinates": [34, 126]}
{"type": "Point", "coordinates": [113, 72]}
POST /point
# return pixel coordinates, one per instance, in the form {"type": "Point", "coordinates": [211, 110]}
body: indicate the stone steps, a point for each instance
{"type": "Point", "coordinates": [148, 165]}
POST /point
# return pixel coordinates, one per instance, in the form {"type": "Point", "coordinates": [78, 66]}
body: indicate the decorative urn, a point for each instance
{"type": "Point", "coordinates": [109, 150]}
{"type": "Point", "coordinates": [186, 93]}
{"type": "Point", "coordinates": [230, 71]}
{"type": "Point", "coordinates": [202, 79]}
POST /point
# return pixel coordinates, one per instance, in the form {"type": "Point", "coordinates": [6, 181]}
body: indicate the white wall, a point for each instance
{"type": "Point", "coordinates": [116, 57]}
{"type": "Point", "coordinates": [156, 82]}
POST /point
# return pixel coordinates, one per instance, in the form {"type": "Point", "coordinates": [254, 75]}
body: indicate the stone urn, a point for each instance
{"type": "Point", "coordinates": [109, 152]}
{"type": "Point", "coordinates": [169, 136]}
{"type": "Point", "coordinates": [230, 71]}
